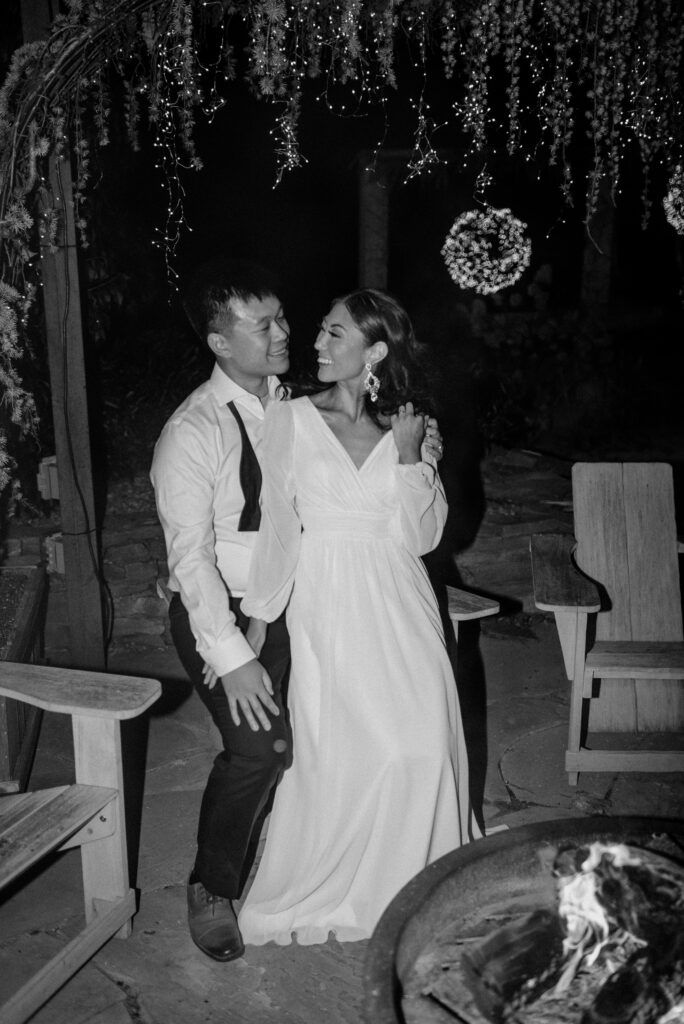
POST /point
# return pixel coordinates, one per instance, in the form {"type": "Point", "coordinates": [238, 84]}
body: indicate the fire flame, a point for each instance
{"type": "Point", "coordinates": [587, 925]}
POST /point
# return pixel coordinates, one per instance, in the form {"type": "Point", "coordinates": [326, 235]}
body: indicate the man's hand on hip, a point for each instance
{"type": "Point", "coordinates": [249, 690]}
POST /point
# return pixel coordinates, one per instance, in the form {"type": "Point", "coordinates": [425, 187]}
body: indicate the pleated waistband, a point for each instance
{"type": "Point", "coordinates": [356, 523]}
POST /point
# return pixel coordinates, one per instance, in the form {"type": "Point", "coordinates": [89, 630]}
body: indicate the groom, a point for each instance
{"type": "Point", "coordinates": [206, 479]}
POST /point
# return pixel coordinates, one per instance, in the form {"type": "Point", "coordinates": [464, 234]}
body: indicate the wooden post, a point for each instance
{"type": "Point", "coordinates": [376, 185]}
{"type": "Point", "coordinates": [64, 331]}
{"type": "Point", "coordinates": [373, 225]}
{"type": "Point", "coordinates": [597, 263]}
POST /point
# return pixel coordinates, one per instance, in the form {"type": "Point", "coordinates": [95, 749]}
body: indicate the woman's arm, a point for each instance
{"type": "Point", "coordinates": [422, 503]}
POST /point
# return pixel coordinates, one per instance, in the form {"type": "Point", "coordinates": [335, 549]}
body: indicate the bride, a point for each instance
{"type": "Point", "coordinates": [379, 783]}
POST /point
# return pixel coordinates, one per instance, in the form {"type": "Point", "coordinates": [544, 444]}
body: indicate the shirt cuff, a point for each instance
{"type": "Point", "coordinates": [420, 475]}
{"type": "Point", "coordinates": [229, 655]}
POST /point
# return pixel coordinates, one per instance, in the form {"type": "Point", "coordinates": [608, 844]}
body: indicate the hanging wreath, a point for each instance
{"type": "Point", "coordinates": [486, 250]}
{"type": "Point", "coordinates": [673, 203]}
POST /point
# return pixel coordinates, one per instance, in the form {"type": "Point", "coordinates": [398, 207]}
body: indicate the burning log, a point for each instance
{"type": "Point", "coordinates": [609, 895]}
{"type": "Point", "coordinates": [617, 885]}
{"type": "Point", "coordinates": [514, 964]}
{"type": "Point", "coordinates": [612, 952]}
{"type": "Point", "coordinates": [642, 991]}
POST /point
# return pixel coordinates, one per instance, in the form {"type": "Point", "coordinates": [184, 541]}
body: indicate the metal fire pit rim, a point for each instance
{"type": "Point", "coordinates": [381, 1002]}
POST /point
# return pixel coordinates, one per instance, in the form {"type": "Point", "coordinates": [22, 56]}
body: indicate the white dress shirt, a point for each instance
{"type": "Point", "coordinates": [195, 474]}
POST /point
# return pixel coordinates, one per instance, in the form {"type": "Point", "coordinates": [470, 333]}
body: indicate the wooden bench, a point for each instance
{"type": "Point", "coordinates": [88, 814]}
{"type": "Point", "coordinates": [463, 605]}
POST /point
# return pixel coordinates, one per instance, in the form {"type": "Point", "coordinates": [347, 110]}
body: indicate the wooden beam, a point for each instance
{"type": "Point", "coordinates": [599, 252]}
{"type": "Point", "coordinates": [373, 225]}
{"type": "Point", "coordinates": [64, 330]}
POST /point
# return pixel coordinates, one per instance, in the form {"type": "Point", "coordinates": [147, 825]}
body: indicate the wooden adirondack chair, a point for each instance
{"type": "Point", "coordinates": [614, 591]}
{"type": "Point", "coordinates": [88, 814]}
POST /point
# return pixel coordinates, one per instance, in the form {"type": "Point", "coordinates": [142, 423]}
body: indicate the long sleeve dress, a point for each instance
{"type": "Point", "coordinates": [379, 783]}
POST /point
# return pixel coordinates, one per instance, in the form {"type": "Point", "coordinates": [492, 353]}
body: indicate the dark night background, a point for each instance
{"type": "Point", "coordinates": [526, 367]}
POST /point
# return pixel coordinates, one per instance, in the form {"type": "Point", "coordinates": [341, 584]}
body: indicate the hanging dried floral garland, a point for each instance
{"type": "Point", "coordinates": [673, 203]}
{"type": "Point", "coordinates": [486, 250]}
{"type": "Point", "coordinates": [610, 71]}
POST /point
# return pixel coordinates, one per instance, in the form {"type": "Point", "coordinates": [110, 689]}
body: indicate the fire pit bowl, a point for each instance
{"type": "Point", "coordinates": [479, 880]}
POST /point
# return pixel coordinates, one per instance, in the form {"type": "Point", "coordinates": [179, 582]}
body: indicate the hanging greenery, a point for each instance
{"type": "Point", "coordinates": [583, 79]}
{"type": "Point", "coordinates": [673, 203]}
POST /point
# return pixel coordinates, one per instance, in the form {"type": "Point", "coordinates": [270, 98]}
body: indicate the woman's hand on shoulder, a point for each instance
{"type": "Point", "coordinates": [433, 442]}
{"type": "Point", "coordinates": [408, 428]}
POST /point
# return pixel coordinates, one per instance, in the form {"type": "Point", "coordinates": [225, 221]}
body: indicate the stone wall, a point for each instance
{"type": "Point", "coordinates": [133, 559]}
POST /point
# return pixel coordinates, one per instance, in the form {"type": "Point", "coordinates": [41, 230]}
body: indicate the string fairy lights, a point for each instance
{"type": "Point", "coordinates": [530, 77]}
{"type": "Point", "coordinates": [486, 250]}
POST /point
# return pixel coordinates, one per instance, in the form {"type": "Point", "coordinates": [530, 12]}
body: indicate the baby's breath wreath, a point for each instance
{"type": "Point", "coordinates": [486, 250]}
{"type": "Point", "coordinates": [673, 203]}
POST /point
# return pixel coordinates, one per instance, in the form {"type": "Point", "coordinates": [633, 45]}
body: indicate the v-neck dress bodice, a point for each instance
{"type": "Point", "coordinates": [379, 782]}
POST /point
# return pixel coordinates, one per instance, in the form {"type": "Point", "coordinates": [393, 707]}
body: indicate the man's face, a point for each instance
{"type": "Point", "coordinates": [255, 345]}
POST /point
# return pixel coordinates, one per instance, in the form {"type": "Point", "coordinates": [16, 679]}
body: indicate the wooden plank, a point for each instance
{"type": "Point", "coordinates": [31, 996]}
{"type": "Point", "coordinates": [464, 605]}
{"type": "Point", "coordinates": [625, 761]}
{"type": "Point", "coordinates": [652, 551]}
{"type": "Point", "coordinates": [13, 808]}
{"type": "Point", "coordinates": [39, 826]}
{"type": "Point", "coordinates": [647, 660]}
{"type": "Point", "coordinates": [558, 584]}
{"type": "Point", "coordinates": [97, 694]}
{"type": "Point", "coordinates": [601, 553]}
{"type": "Point", "coordinates": [654, 576]}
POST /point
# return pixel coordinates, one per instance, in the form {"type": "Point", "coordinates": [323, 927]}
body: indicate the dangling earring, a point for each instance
{"type": "Point", "coordinates": [371, 383]}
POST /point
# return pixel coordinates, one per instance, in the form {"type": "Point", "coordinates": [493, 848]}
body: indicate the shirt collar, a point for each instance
{"type": "Point", "coordinates": [226, 390]}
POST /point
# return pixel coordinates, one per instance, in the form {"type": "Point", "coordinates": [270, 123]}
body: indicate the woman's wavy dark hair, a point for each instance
{"type": "Point", "coordinates": [404, 373]}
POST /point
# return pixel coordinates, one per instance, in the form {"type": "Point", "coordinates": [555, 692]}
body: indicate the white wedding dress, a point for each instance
{"type": "Point", "coordinates": [379, 783]}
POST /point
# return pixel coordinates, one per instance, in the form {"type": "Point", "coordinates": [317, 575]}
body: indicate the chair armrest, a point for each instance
{"type": "Point", "coordinates": [76, 692]}
{"type": "Point", "coordinates": [557, 582]}
{"type": "Point", "coordinates": [464, 605]}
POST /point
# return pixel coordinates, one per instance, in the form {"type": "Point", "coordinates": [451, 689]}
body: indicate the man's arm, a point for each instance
{"type": "Point", "coordinates": [183, 472]}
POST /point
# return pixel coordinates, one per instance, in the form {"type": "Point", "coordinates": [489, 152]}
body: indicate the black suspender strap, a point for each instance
{"type": "Point", "coordinates": [250, 478]}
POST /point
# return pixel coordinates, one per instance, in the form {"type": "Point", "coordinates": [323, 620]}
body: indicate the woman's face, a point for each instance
{"type": "Point", "coordinates": [341, 347]}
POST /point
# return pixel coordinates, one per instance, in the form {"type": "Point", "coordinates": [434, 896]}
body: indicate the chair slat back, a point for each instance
{"type": "Point", "coordinates": [601, 534]}
{"type": "Point", "coordinates": [627, 541]}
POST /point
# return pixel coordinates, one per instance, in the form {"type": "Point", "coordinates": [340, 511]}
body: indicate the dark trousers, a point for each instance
{"type": "Point", "coordinates": [247, 768]}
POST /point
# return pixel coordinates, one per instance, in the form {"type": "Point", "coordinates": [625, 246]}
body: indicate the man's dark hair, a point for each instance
{"type": "Point", "coordinates": [216, 283]}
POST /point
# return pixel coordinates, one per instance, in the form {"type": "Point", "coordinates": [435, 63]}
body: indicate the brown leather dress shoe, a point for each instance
{"type": "Point", "coordinates": [213, 924]}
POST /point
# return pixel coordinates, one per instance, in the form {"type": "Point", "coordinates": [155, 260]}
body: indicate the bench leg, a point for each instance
{"type": "Point", "coordinates": [97, 751]}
